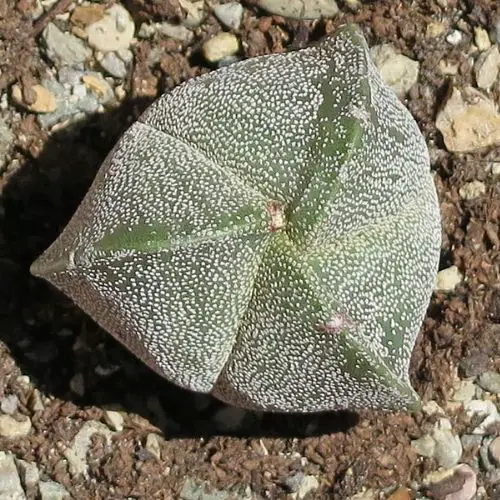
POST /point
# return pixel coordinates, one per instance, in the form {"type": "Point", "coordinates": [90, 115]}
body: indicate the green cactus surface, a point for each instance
{"type": "Point", "coordinates": [268, 233]}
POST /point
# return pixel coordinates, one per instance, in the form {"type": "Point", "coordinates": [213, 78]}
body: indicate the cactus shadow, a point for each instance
{"type": "Point", "coordinates": [64, 353]}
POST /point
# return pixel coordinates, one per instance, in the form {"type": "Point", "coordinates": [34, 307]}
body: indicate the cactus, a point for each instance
{"type": "Point", "coordinates": [268, 233]}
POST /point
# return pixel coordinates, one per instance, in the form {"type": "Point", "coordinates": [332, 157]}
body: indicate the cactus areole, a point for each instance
{"type": "Point", "coordinates": [268, 233]}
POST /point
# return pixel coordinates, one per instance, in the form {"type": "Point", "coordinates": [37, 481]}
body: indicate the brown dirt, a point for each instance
{"type": "Point", "coordinates": [47, 338]}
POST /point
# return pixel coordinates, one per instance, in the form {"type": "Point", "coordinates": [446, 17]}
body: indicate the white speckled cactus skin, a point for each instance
{"type": "Point", "coordinates": [269, 233]}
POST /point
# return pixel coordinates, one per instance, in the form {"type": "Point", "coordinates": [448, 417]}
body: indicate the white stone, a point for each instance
{"type": "Point", "coordinates": [113, 32]}
{"type": "Point", "coordinates": [309, 484]}
{"type": "Point", "coordinates": [448, 450]}
{"type": "Point", "coordinates": [114, 65]}
{"type": "Point", "coordinates": [175, 31]}
{"type": "Point", "coordinates": [485, 409]}
{"type": "Point", "coordinates": [464, 391]}
{"type": "Point", "coordinates": [6, 141]}
{"type": "Point", "coordinates": [367, 494]}
{"type": "Point", "coordinates": [229, 14]}
{"type": "Point", "coordinates": [76, 454]}
{"type": "Point", "coordinates": [153, 445]}
{"type": "Point", "coordinates": [300, 9]}
{"type": "Point", "coordinates": [490, 381]}
{"type": "Point", "coordinates": [468, 121]}
{"type": "Point", "coordinates": [465, 478]}
{"type": "Point", "coordinates": [28, 473]}
{"type": "Point", "coordinates": [10, 483]}
{"type": "Point", "coordinates": [50, 490]}
{"type": "Point", "coordinates": [194, 12]}
{"type": "Point", "coordinates": [487, 68]}
{"type": "Point", "coordinates": [432, 408]}
{"type": "Point", "coordinates": [64, 48]}
{"type": "Point", "coordinates": [437, 476]}
{"type": "Point", "coordinates": [435, 29]}
{"type": "Point", "coordinates": [398, 71]}
{"type": "Point", "coordinates": [481, 38]}
{"type": "Point", "coordinates": [454, 38]}
{"type": "Point", "coordinates": [9, 404]}
{"type": "Point", "coordinates": [447, 67]}
{"type": "Point", "coordinates": [471, 190]}
{"type": "Point", "coordinates": [448, 279]}
{"type": "Point", "coordinates": [220, 46]}
{"type": "Point", "coordinates": [12, 428]}
{"type": "Point", "coordinates": [114, 420]}
{"type": "Point", "coordinates": [424, 446]}
{"type": "Point", "coordinates": [147, 30]}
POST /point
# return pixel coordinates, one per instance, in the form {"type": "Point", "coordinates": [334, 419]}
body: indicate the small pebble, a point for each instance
{"type": "Point", "coordinates": [76, 453]}
{"type": "Point", "coordinates": [454, 484]}
{"type": "Point", "coordinates": [195, 11]}
{"type": "Point", "coordinates": [23, 380]}
{"type": "Point", "coordinates": [153, 445]}
{"type": "Point", "coordinates": [490, 381]}
{"type": "Point", "coordinates": [471, 190]}
{"type": "Point", "coordinates": [494, 451]}
{"type": "Point", "coordinates": [28, 473]}
{"type": "Point", "coordinates": [229, 14]}
{"type": "Point", "coordinates": [114, 420]}
{"type": "Point", "coordinates": [487, 68]}
{"type": "Point", "coordinates": [220, 46]}
{"type": "Point", "coordinates": [471, 440]}
{"type": "Point", "coordinates": [175, 31]}
{"type": "Point", "coordinates": [126, 55]}
{"type": "Point", "coordinates": [12, 428]}
{"type": "Point", "coordinates": [292, 483]}
{"type": "Point", "coordinates": [432, 408]}
{"type": "Point", "coordinates": [481, 38]}
{"type": "Point", "coordinates": [96, 83]}
{"type": "Point", "coordinates": [424, 446]}
{"type": "Point", "coordinates": [474, 364]}
{"type": "Point", "coordinates": [484, 454]}
{"type": "Point", "coordinates": [147, 30]}
{"type": "Point", "coordinates": [435, 29]}
{"type": "Point", "coordinates": [468, 121]}
{"type": "Point", "coordinates": [366, 494]}
{"type": "Point", "coordinates": [6, 141]}
{"type": "Point", "coordinates": [485, 409]}
{"type": "Point", "coordinates": [447, 67]}
{"type": "Point", "coordinates": [454, 38]}
{"type": "Point", "coordinates": [114, 31]}
{"type": "Point", "coordinates": [83, 15]}
{"type": "Point", "coordinates": [64, 49]}
{"type": "Point", "coordinates": [398, 71]}
{"type": "Point", "coordinates": [464, 391]}
{"type": "Point", "coordinates": [400, 494]}
{"type": "Point", "coordinates": [448, 449]}
{"type": "Point", "coordinates": [300, 9]}
{"type": "Point", "coordinates": [9, 404]}
{"type": "Point", "coordinates": [114, 65]}
{"type": "Point", "coordinates": [50, 490]}
{"type": "Point", "coordinates": [448, 279]}
{"type": "Point", "coordinates": [307, 486]}
{"type": "Point", "coordinates": [44, 100]}
{"type": "Point", "coordinates": [10, 483]}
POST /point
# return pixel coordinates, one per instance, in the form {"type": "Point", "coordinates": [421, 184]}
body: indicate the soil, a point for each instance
{"type": "Point", "coordinates": [45, 337]}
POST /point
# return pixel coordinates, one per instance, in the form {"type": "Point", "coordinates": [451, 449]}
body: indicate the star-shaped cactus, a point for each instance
{"type": "Point", "coordinates": [268, 233]}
